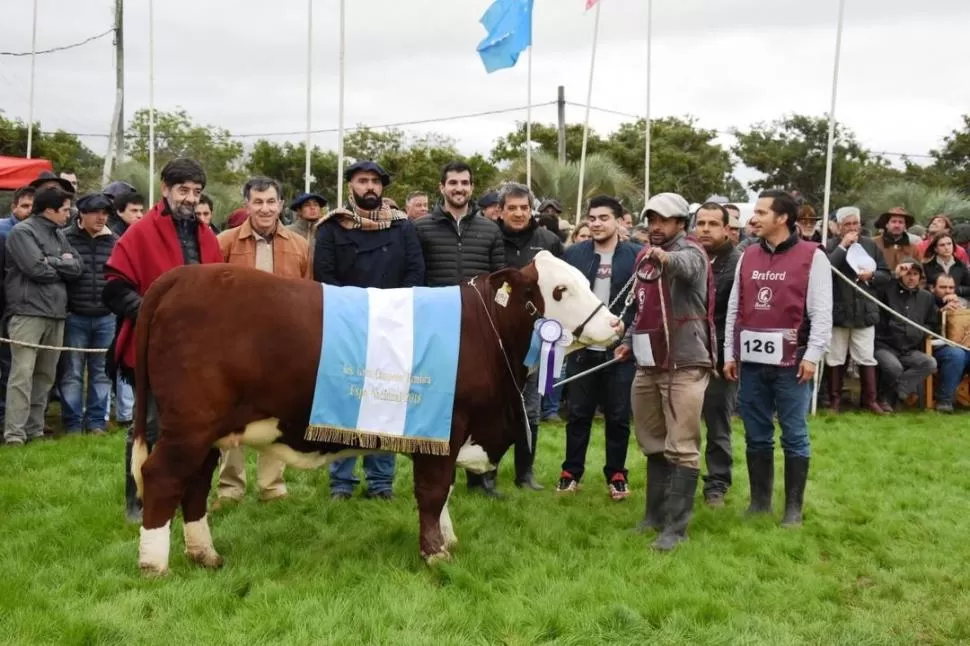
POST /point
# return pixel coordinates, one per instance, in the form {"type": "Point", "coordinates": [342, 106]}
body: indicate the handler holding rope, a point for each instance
{"type": "Point", "coordinates": [673, 342]}
{"type": "Point", "coordinates": [779, 324]}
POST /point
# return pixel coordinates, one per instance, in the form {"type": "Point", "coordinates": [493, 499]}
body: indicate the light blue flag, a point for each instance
{"type": "Point", "coordinates": [509, 25]}
{"type": "Point", "coordinates": [387, 369]}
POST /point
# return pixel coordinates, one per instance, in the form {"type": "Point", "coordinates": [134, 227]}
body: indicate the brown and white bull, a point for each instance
{"type": "Point", "coordinates": [231, 356]}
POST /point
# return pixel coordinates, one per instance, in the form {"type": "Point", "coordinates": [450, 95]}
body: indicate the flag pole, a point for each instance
{"type": "Point", "coordinates": [30, 102]}
{"type": "Point", "coordinates": [528, 126]}
{"type": "Point", "coordinates": [340, 111]}
{"type": "Point", "coordinates": [589, 100]}
{"type": "Point", "coordinates": [827, 200]}
{"type": "Point", "coordinates": [309, 91]}
{"type": "Point", "coordinates": [646, 161]}
{"type": "Point", "coordinates": [151, 102]}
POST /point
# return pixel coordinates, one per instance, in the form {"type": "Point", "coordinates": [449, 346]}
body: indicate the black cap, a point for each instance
{"type": "Point", "coordinates": [303, 198]}
{"type": "Point", "coordinates": [95, 202]}
{"type": "Point", "coordinates": [362, 166]}
{"type": "Point", "coordinates": [554, 204]}
{"type": "Point", "coordinates": [487, 200]}
{"type": "Point", "coordinates": [118, 188]}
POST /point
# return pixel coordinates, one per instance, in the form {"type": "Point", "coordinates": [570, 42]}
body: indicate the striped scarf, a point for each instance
{"type": "Point", "coordinates": [355, 217]}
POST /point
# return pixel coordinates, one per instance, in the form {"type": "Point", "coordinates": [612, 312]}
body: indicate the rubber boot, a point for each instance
{"type": "Point", "coordinates": [761, 473]}
{"type": "Point", "coordinates": [524, 459]}
{"type": "Point", "coordinates": [658, 485]}
{"type": "Point", "coordinates": [868, 382]}
{"type": "Point", "coordinates": [836, 374]}
{"type": "Point", "coordinates": [132, 503]}
{"type": "Point", "coordinates": [796, 475]}
{"type": "Point", "coordinates": [679, 508]}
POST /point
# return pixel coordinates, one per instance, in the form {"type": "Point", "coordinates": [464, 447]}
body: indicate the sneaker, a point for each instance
{"type": "Point", "coordinates": [567, 483]}
{"type": "Point", "coordinates": [341, 495]}
{"type": "Point", "coordinates": [618, 487]}
{"type": "Point", "coordinates": [944, 407]}
{"type": "Point", "coordinates": [97, 431]}
{"type": "Point", "coordinates": [380, 495]}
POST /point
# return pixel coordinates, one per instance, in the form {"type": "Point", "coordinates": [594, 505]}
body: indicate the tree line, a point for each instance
{"type": "Point", "coordinates": [685, 158]}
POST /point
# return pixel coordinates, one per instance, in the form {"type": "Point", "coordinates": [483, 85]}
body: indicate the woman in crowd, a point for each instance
{"type": "Point", "coordinates": [580, 233]}
{"type": "Point", "coordinates": [940, 259]}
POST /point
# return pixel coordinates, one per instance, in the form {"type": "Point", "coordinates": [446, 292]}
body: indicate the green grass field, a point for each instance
{"type": "Point", "coordinates": [883, 557]}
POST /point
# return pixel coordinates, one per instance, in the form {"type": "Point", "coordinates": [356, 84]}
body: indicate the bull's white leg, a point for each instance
{"type": "Point", "coordinates": [447, 529]}
{"type": "Point", "coordinates": [198, 544]}
{"type": "Point", "coordinates": [153, 549]}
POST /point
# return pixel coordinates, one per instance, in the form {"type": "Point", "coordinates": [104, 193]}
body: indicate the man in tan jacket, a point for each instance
{"type": "Point", "coordinates": [260, 242]}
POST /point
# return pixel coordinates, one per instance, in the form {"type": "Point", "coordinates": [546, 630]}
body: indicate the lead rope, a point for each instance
{"type": "Point", "coordinates": [508, 364]}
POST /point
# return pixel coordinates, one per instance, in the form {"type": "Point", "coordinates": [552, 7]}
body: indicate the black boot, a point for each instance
{"type": "Point", "coordinates": [132, 503]}
{"type": "Point", "coordinates": [761, 473]}
{"type": "Point", "coordinates": [489, 484]}
{"type": "Point", "coordinates": [524, 459]}
{"type": "Point", "coordinates": [836, 374]}
{"type": "Point", "coordinates": [796, 475]}
{"type": "Point", "coordinates": [658, 485]}
{"type": "Point", "coordinates": [679, 508]}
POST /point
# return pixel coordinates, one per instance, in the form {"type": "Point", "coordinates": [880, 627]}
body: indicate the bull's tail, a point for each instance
{"type": "Point", "coordinates": [149, 304]}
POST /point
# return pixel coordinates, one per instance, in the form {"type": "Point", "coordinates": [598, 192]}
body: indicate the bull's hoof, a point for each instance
{"type": "Point", "coordinates": [438, 557]}
{"type": "Point", "coordinates": [208, 559]}
{"type": "Point", "coordinates": [152, 571]}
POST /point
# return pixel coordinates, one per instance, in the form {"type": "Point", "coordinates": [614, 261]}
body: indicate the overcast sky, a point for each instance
{"type": "Point", "coordinates": [241, 64]}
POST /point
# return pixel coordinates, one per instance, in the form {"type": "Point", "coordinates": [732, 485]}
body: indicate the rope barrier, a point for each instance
{"type": "Point", "coordinates": [38, 346]}
{"type": "Point", "coordinates": [899, 316]}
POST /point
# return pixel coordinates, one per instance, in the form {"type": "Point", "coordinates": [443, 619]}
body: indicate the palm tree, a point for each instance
{"type": "Point", "coordinates": [922, 201]}
{"type": "Point", "coordinates": [550, 179]}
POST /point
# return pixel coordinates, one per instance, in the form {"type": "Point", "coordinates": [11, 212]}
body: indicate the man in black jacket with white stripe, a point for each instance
{"type": "Point", "coordinates": [458, 243]}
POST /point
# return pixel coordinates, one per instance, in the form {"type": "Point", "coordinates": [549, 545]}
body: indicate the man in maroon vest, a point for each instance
{"type": "Point", "coordinates": [779, 324]}
{"type": "Point", "coordinates": [672, 341]}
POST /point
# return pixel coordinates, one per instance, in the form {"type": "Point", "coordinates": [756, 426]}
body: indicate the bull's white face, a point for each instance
{"type": "Point", "coordinates": [569, 300]}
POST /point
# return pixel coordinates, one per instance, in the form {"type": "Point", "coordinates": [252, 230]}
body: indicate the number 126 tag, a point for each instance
{"type": "Point", "coordinates": [762, 347]}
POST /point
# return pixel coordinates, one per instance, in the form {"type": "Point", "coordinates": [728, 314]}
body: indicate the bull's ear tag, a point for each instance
{"type": "Point", "coordinates": [502, 295]}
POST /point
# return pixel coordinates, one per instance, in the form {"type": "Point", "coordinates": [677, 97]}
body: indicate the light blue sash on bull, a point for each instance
{"type": "Point", "coordinates": [388, 368]}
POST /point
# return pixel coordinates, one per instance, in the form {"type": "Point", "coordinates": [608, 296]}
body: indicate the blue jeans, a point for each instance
{"type": "Point", "coordinates": [378, 468]}
{"type": "Point", "coordinates": [79, 411]}
{"type": "Point", "coordinates": [550, 402]}
{"type": "Point", "coordinates": [765, 390]}
{"type": "Point", "coordinates": [124, 401]}
{"type": "Point", "coordinates": [952, 363]}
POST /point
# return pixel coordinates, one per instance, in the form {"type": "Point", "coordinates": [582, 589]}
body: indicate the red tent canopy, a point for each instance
{"type": "Point", "coordinates": [17, 171]}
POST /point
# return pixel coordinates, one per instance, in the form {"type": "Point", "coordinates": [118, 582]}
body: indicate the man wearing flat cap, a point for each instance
{"type": "Point", "coordinates": [367, 244]}
{"type": "Point", "coordinates": [90, 324]}
{"type": "Point", "coordinates": [310, 208]}
{"type": "Point", "coordinates": [673, 343]}
{"type": "Point", "coordinates": [491, 209]}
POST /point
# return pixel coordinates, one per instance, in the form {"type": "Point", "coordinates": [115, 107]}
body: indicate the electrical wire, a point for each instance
{"type": "Point", "coordinates": [64, 47]}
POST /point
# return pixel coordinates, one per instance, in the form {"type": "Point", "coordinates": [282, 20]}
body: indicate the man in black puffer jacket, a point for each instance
{"type": "Point", "coordinates": [524, 238]}
{"type": "Point", "coordinates": [458, 243]}
{"type": "Point", "coordinates": [89, 323]}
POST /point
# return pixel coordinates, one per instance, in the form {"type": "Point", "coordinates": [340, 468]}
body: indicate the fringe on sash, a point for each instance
{"type": "Point", "coordinates": [371, 440]}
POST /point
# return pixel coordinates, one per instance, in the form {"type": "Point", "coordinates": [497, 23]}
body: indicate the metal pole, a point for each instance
{"type": "Point", "coordinates": [589, 100]}
{"type": "Point", "coordinates": [528, 127]}
{"type": "Point", "coordinates": [561, 114]}
{"type": "Point", "coordinates": [828, 167]}
{"type": "Point", "coordinates": [120, 80]}
{"type": "Point", "coordinates": [309, 83]}
{"type": "Point", "coordinates": [151, 103]}
{"type": "Point", "coordinates": [646, 161]}
{"type": "Point", "coordinates": [340, 113]}
{"type": "Point", "coordinates": [30, 102]}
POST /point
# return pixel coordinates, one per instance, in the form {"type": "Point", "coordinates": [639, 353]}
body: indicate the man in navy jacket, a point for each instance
{"type": "Point", "coordinates": [367, 245]}
{"type": "Point", "coordinates": [608, 262]}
